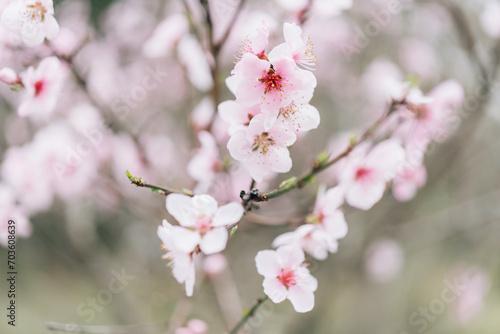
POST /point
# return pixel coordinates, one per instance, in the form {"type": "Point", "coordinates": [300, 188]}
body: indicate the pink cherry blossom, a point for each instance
{"type": "Point", "coordinates": [295, 47]}
{"type": "Point", "coordinates": [271, 86]}
{"type": "Point", "coordinates": [286, 277]}
{"type": "Point", "coordinates": [489, 18]}
{"type": "Point", "coordinates": [214, 264]}
{"type": "Point", "coordinates": [34, 19]}
{"type": "Point", "coordinates": [299, 117]}
{"type": "Point", "coordinates": [165, 36]}
{"type": "Point", "coordinates": [194, 326]}
{"type": "Point", "coordinates": [9, 76]}
{"type": "Point", "coordinates": [206, 162]}
{"type": "Point", "coordinates": [383, 260]}
{"type": "Point", "coordinates": [262, 151]}
{"type": "Point", "coordinates": [179, 246]}
{"type": "Point", "coordinates": [408, 181]}
{"type": "Point", "coordinates": [205, 219]}
{"type": "Point", "coordinates": [256, 44]}
{"type": "Point", "coordinates": [366, 174]}
{"type": "Point", "coordinates": [326, 224]}
{"type": "Point", "coordinates": [237, 115]}
{"type": "Point", "coordinates": [43, 86]}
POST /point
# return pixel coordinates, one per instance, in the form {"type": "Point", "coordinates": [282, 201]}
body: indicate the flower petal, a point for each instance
{"type": "Point", "coordinates": [228, 214]}
{"type": "Point", "coordinates": [276, 291]}
{"type": "Point", "coordinates": [302, 299]}
{"type": "Point", "coordinates": [268, 263]}
{"type": "Point", "coordinates": [214, 241]}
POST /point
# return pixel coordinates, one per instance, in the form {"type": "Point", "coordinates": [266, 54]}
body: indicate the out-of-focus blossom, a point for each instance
{"type": "Point", "coordinates": [470, 302]}
{"type": "Point", "coordinates": [214, 264]}
{"type": "Point", "coordinates": [206, 162]}
{"type": "Point", "coordinates": [263, 151]}
{"type": "Point", "coordinates": [383, 260]}
{"type": "Point", "coordinates": [165, 36]}
{"type": "Point", "coordinates": [205, 219]}
{"type": "Point", "coordinates": [10, 211]}
{"type": "Point", "coordinates": [320, 7]}
{"type": "Point", "coordinates": [489, 18]}
{"type": "Point", "coordinates": [193, 57]}
{"type": "Point", "coordinates": [408, 181]}
{"type": "Point", "coordinates": [33, 19]}
{"type": "Point", "coordinates": [326, 224]}
{"type": "Point", "coordinates": [194, 326]}
{"type": "Point", "coordinates": [202, 115]}
{"type": "Point", "coordinates": [366, 174]}
{"type": "Point", "coordinates": [9, 76]}
{"type": "Point", "coordinates": [418, 57]}
{"type": "Point", "coordinates": [43, 86]}
{"type": "Point", "coordinates": [286, 277]}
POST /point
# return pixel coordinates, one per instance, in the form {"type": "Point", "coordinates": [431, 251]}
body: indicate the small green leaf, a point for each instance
{"type": "Point", "coordinates": [288, 182]}
{"type": "Point", "coordinates": [233, 230]}
{"type": "Point", "coordinates": [130, 176]}
{"type": "Point", "coordinates": [353, 139]}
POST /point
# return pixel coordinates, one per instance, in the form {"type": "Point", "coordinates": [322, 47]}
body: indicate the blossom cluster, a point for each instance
{"type": "Point", "coordinates": [272, 101]}
{"type": "Point", "coordinates": [203, 229]}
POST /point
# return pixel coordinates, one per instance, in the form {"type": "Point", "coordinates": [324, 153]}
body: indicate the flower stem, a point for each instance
{"type": "Point", "coordinates": [248, 315]}
{"type": "Point", "coordinates": [159, 190]}
{"type": "Point", "coordinates": [321, 166]}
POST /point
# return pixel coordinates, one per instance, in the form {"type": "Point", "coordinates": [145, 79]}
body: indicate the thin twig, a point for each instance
{"type": "Point", "coordinates": [248, 315]}
{"type": "Point", "coordinates": [159, 190]}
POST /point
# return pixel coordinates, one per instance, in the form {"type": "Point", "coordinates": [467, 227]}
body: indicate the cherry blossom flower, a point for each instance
{"type": "Point", "coordinates": [34, 19]}
{"type": "Point", "coordinates": [9, 76]}
{"type": "Point", "coordinates": [366, 174]}
{"type": "Point", "coordinates": [271, 86]}
{"type": "Point", "coordinates": [326, 224]}
{"type": "Point", "coordinates": [489, 19]}
{"type": "Point", "coordinates": [179, 246]}
{"type": "Point", "coordinates": [214, 264]}
{"type": "Point", "coordinates": [43, 86]}
{"type": "Point", "coordinates": [165, 36]}
{"type": "Point", "coordinates": [383, 260]}
{"type": "Point", "coordinates": [262, 151]}
{"type": "Point", "coordinates": [408, 181]}
{"type": "Point", "coordinates": [286, 277]}
{"type": "Point", "coordinates": [295, 47]}
{"type": "Point", "coordinates": [204, 219]}
{"type": "Point", "coordinates": [237, 115]}
{"type": "Point", "coordinates": [299, 117]}
{"type": "Point", "coordinates": [257, 43]}
{"type": "Point", "coordinates": [194, 326]}
{"type": "Point", "coordinates": [206, 162]}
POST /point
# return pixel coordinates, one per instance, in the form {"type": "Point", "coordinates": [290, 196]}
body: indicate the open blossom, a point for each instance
{"type": "Point", "coordinates": [204, 219]}
{"type": "Point", "coordinates": [34, 19]}
{"type": "Point", "coordinates": [408, 181]}
{"type": "Point", "coordinates": [286, 277]}
{"type": "Point", "coordinates": [262, 151]}
{"type": "Point", "coordinates": [271, 84]}
{"type": "Point", "coordinates": [366, 174]}
{"type": "Point", "coordinates": [296, 47]}
{"type": "Point", "coordinates": [179, 253]}
{"type": "Point", "coordinates": [326, 224]}
{"type": "Point", "coordinates": [43, 86]}
{"type": "Point", "coordinates": [257, 43]}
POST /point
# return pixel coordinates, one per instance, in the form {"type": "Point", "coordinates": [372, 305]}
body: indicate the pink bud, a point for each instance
{"type": "Point", "coordinates": [8, 76]}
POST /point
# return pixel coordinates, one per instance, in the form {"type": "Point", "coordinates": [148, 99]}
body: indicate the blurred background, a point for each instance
{"type": "Point", "coordinates": [428, 265]}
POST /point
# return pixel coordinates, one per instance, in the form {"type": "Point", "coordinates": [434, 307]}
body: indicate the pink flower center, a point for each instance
{"type": "Point", "coordinates": [204, 224]}
{"type": "Point", "coordinates": [272, 81]}
{"type": "Point", "coordinates": [287, 277]}
{"type": "Point", "coordinates": [420, 110]}
{"type": "Point", "coordinates": [362, 174]}
{"type": "Point", "coordinates": [39, 86]}
{"type": "Point", "coordinates": [263, 141]}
